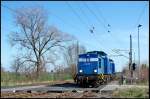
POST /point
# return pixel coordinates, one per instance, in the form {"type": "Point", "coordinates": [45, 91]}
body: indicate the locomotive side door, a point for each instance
{"type": "Point", "coordinates": [101, 65]}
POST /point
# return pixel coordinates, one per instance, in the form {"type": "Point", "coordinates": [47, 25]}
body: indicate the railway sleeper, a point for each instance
{"type": "Point", "coordinates": [95, 91]}
{"type": "Point", "coordinates": [55, 91]}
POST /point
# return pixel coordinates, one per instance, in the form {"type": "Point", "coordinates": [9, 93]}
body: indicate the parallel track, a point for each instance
{"type": "Point", "coordinates": [47, 91]}
{"type": "Point", "coordinates": [64, 90]}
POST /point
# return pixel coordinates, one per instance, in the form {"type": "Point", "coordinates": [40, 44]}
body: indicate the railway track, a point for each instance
{"type": "Point", "coordinates": [54, 91]}
{"type": "Point", "coordinates": [59, 88]}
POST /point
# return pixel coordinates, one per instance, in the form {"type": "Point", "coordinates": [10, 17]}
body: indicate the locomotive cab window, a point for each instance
{"type": "Point", "coordinates": [93, 59]}
{"type": "Point", "coordinates": [82, 59]}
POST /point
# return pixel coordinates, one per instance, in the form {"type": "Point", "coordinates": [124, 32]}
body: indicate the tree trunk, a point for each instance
{"type": "Point", "coordinates": [39, 67]}
{"type": "Point", "coordinates": [37, 72]}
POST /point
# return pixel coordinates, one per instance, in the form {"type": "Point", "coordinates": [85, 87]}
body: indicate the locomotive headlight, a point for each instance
{"type": "Point", "coordinates": [80, 71]}
{"type": "Point", "coordinates": [95, 70]}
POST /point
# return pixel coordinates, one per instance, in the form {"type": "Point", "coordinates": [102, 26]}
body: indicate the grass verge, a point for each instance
{"type": "Point", "coordinates": [131, 93]}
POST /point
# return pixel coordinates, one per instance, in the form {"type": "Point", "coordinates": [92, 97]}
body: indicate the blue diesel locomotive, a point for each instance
{"type": "Point", "coordinates": [94, 68]}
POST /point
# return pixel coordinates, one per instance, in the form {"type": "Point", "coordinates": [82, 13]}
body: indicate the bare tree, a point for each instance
{"type": "Point", "coordinates": [71, 57]}
{"type": "Point", "coordinates": [16, 65]}
{"type": "Point", "coordinates": [35, 36]}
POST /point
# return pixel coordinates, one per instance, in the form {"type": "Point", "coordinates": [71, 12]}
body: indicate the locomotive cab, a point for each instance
{"type": "Point", "coordinates": [87, 64]}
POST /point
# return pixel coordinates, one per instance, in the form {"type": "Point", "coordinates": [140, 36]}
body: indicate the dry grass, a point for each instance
{"type": "Point", "coordinates": [131, 93]}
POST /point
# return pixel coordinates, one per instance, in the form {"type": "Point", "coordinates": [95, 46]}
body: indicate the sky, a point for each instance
{"type": "Point", "coordinates": [77, 18]}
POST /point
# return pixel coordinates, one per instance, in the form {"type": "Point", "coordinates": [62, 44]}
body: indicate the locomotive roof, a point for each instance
{"type": "Point", "coordinates": [98, 52]}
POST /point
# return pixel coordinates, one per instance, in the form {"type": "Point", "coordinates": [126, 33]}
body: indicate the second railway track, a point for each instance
{"type": "Point", "coordinates": [58, 88]}
{"type": "Point", "coordinates": [68, 90]}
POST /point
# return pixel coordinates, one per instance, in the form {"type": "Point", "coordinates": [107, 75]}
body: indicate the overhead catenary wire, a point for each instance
{"type": "Point", "coordinates": [87, 21]}
{"type": "Point", "coordinates": [53, 14]}
{"type": "Point", "coordinates": [102, 16]}
{"type": "Point", "coordinates": [96, 16]}
{"type": "Point", "coordinates": [85, 24]}
{"type": "Point", "coordinates": [92, 26]}
{"type": "Point", "coordinates": [109, 26]}
{"type": "Point", "coordinates": [110, 30]}
{"type": "Point", "coordinates": [12, 10]}
{"type": "Point", "coordinates": [140, 16]}
{"type": "Point", "coordinates": [73, 26]}
{"type": "Point", "coordinates": [141, 13]}
{"type": "Point", "coordinates": [137, 23]}
{"type": "Point", "coordinates": [98, 40]}
{"type": "Point", "coordinates": [58, 17]}
{"type": "Point", "coordinates": [82, 11]}
{"type": "Point", "coordinates": [93, 13]}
